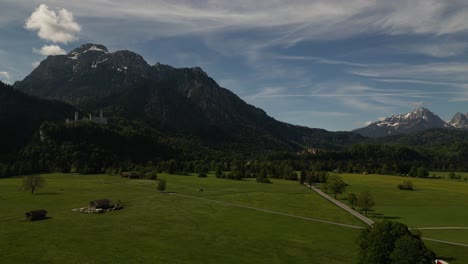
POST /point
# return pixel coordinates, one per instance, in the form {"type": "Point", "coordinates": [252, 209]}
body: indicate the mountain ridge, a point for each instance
{"type": "Point", "coordinates": [418, 120]}
{"type": "Point", "coordinates": [184, 101]}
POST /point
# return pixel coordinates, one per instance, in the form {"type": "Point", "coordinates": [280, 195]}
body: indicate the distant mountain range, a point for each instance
{"type": "Point", "coordinates": [418, 120]}
{"type": "Point", "coordinates": [180, 101]}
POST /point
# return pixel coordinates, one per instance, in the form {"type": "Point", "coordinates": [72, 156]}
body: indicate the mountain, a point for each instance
{"type": "Point", "coordinates": [415, 121]}
{"type": "Point", "coordinates": [459, 120]}
{"type": "Point", "coordinates": [179, 101]}
{"type": "Point", "coordinates": [21, 115]}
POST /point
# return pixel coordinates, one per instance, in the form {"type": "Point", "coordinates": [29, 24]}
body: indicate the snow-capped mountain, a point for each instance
{"type": "Point", "coordinates": [417, 120]}
{"type": "Point", "coordinates": [459, 120]}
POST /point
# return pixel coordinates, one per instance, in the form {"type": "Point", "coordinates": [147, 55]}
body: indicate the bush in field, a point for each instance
{"type": "Point", "coordinates": [152, 175]}
{"type": "Point", "coordinates": [406, 185]}
{"type": "Point", "coordinates": [161, 185]}
{"type": "Point", "coordinates": [262, 177]}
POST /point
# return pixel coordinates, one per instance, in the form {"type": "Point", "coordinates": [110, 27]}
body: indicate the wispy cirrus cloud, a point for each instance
{"type": "Point", "coordinates": [437, 49]}
{"type": "Point", "coordinates": [439, 72]}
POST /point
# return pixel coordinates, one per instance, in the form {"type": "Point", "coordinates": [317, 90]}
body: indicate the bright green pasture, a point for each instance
{"type": "Point", "coordinates": [433, 203]}
{"type": "Point", "coordinates": [168, 228]}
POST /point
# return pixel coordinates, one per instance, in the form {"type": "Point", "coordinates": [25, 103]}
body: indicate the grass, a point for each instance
{"type": "Point", "coordinates": [433, 203]}
{"type": "Point", "coordinates": [164, 228]}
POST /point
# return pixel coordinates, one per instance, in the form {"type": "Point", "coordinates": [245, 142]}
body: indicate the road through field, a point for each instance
{"type": "Point", "coordinates": [343, 206]}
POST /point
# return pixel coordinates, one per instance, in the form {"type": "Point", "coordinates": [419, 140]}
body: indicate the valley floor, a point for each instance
{"type": "Point", "coordinates": [198, 220]}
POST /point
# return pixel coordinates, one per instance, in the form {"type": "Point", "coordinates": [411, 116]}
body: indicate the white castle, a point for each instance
{"type": "Point", "coordinates": [95, 119]}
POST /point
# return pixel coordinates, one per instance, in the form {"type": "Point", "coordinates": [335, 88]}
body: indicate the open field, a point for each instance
{"type": "Point", "coordinates": [224, 223]}
{"type": "Point", "coordinates": [165, 228]}
{"type": "Point", "coordinates": [433, 203]}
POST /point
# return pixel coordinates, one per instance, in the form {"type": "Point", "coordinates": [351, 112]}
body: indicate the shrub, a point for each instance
{"type": "Point", "coordinates": [152, 175]}
{"type": "Point", "coordinates": [161, 185]}
{"type": "Point", "coordinates": [406, 185]}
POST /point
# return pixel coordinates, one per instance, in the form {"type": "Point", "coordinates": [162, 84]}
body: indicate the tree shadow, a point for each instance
{"type": "Point", "coordinates": [40, 219]}
{"type": "Point", "coordinates": [382, 216]}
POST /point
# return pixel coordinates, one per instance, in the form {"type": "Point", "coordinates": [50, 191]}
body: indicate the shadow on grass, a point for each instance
{"type": "Point", "coordinates": [40, 219]}
{"type": "Point", "coordinates": [382, 216]}
{"type": "Point", "coordinates": [446, 258]}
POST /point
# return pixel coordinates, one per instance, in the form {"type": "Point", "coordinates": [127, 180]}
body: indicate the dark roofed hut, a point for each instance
{"type": "Point", "coordinates": [100, 204]}
{"type": "Point", "coordinates": [36, 215]}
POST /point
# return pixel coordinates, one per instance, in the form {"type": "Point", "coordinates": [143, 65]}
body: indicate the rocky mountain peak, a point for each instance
{"type": "Point", "coordinates": [416, 120]}
{"type": "Point", "coordinates": [89, 47]}
{"type": "Point", "coordinates": [459, 120]}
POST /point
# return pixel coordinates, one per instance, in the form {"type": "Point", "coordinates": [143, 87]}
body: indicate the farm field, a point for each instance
{"type": "Point", "coordinates": [197, 220]}
{"type": "Point", "coordinates": [433, 203]}
{"type": "Point", "coordinates": [168, 228]}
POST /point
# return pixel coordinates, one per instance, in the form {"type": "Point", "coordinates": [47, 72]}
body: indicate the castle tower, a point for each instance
{"type": "Point", "coordinates": [90, 117]}
{"type": "Point", "coordinates": [76, 116]}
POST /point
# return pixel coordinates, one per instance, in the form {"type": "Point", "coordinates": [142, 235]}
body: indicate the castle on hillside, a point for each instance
{"type": "Point", "coordinates": [95, 119]}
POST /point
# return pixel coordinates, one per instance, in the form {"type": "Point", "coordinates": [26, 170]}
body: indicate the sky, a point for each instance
{"type": "Point", "coordinates": [332, 64]}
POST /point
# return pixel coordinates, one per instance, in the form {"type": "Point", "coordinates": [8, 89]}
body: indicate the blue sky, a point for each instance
{"type": "Point", "coordinates": [333, 64]}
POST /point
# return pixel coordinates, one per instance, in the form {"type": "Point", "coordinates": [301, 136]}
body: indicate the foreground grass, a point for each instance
{"type": "Point", "coordinates": [434, 203]}
{"type": "Point", "coordinates": [164, 228]}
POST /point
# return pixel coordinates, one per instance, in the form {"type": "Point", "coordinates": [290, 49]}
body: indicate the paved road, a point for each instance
{"type": "Point", "coordinates": [343, 206]}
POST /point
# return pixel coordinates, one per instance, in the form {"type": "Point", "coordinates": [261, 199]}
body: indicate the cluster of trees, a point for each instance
{"type": "Point", "coordinates": [453, 176]}
{"type": "Point", "coordinates": [392, 242]}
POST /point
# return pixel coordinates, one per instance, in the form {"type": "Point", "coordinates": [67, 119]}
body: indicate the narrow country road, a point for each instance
{"type": "Point", "coordinates": [343, 206]}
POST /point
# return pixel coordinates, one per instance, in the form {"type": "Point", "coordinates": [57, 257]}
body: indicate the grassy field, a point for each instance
{"type": "Point", "coordinates": [194, 226]}
{"type": "Point", "coordinates": [433, 203]}
{"type": "Point", "coordinates": [166, 228]}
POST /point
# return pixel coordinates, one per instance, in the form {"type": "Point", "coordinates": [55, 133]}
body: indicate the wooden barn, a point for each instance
{"type": "Point", "coordinates": [36, 215]}
{"type": "Point", "coordinates": [100, 204]}
{"type": "Point", "coordinates": [132, 175]}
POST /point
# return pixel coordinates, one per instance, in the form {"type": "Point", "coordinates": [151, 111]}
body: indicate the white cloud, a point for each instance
{"type": "Point", "coordinates": [58, 27]}
{"type": "Point", "coordinates": [35, 64]}
{"type": "Point", "coordinates": [4, 76]}
{"type": "Point", "coordinates": [47, 50]}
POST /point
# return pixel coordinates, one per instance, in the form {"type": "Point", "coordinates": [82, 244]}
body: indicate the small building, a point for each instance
{"type": "Point", "coordinates": [132, 175]}
{"type": "Point", "coordinates": [36, 215]}
{"type": "Point", "coordinates": [100, 204]}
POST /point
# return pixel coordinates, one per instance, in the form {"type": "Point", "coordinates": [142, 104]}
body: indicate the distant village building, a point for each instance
{"type": "Point", "coordinates": [95, 119]}
{"type": "Point", "coordinates": [36, 215]}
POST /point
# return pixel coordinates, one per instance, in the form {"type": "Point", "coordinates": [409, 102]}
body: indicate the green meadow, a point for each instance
{"type": "Point", "coordinates": [168, 228]}
{"type": "Point", "coordinates": [203, 220]}
{"type": "Point", "coordinates": [433, 203]}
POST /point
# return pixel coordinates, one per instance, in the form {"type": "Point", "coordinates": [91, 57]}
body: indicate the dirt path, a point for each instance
{"type": "Point", "coordinates": [344, 206]}
{"type": "Point", "coordinates": [269, 211]}
{"type": "Point", "coordinates": [445, 242]}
